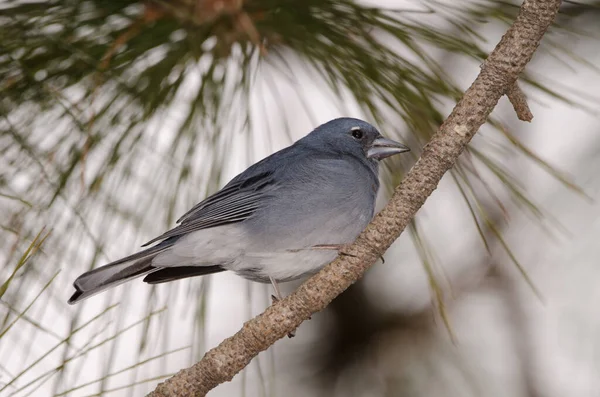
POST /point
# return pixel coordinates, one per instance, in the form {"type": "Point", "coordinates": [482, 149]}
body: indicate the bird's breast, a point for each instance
{"type": "Point", "coordinates": [324, 202]}
{"type": "Point", "coordinates": [316, 202]}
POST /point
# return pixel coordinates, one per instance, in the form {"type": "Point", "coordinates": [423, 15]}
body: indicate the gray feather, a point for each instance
{"type": "Point", "coordinates": [177, 273]}
{"type": "Point", "coordinates": [236, 202]}
{"type": "Point", "coordinates": [118, 272]}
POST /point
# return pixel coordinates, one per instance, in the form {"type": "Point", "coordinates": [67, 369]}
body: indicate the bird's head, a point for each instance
{"type": "Point", "coordinates": [354, 137]}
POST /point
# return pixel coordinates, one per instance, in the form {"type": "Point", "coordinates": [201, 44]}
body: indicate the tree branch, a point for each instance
{"type": "Point", "coordinates": [501, 71]}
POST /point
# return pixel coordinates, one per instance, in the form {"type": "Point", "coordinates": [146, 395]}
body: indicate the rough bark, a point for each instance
{"type": "Point", "coordinates": [498, 74]}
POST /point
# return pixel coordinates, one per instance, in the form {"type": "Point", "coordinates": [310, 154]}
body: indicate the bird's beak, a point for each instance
{"type": "Point", "coordinates": [383, 147]}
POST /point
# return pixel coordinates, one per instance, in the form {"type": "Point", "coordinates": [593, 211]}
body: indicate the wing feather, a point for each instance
{"type": "Point", "coordinates": [236, 202]}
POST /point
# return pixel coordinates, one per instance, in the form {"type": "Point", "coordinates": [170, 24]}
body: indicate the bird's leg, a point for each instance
{"type": "Point", "coordinates": [276, 298]}
{"type": "Point", "coordinates": [336, 247]}
{"type": "Point", "coordinates": [340, 248]}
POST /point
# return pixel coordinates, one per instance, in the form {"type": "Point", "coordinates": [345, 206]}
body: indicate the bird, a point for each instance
{"type": "Point", "coordinates": [282, 219]}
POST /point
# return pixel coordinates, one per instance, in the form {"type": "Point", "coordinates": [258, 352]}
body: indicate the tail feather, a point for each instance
{"type": "Point", "coordinates": [165, 274]}
{"type": "Point", "coordinates": [118, 272]}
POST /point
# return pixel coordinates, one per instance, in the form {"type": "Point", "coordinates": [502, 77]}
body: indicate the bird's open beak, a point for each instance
{"type": "Point", "coordinates": [383, 147]}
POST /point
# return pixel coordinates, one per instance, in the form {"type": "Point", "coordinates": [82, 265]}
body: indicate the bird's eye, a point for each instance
{"type": "Point", "coordinates": [358, 134]}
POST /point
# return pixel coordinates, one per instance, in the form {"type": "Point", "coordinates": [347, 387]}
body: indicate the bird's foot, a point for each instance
{"type": "Point", "coordinates": [341, 249]}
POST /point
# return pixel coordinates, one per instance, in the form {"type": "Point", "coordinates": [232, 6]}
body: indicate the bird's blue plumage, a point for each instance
{"type": "Point", "coordinates": [266, 222]}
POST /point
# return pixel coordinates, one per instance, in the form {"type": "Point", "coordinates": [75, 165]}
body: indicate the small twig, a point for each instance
{"type": "Point", "coordinates": [519, 102]}
{"type": "Point", "coordinates": [516, 97]}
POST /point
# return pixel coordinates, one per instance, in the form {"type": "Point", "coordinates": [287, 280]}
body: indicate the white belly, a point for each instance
{"type": "Point", "coordinates": [230, 247]}
{"type": "Point", "coordinates": [281, 265]}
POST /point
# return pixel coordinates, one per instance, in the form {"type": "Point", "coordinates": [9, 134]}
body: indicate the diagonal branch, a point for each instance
{"type": "Point", "coordinates": [501, 71]}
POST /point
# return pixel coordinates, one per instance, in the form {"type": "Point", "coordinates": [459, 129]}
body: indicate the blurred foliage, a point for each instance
{"type": "Point", "coordinates": [109, 108]}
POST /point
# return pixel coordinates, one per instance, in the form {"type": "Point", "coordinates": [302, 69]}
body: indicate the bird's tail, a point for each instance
{"type": "Point", "coordinates": [118, 272]}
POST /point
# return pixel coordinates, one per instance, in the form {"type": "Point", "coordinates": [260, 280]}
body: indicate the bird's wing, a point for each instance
{"type": "Point", "coordinates": [234, 203]}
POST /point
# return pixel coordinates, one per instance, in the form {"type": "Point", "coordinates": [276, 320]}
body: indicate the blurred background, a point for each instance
{"type": "Point", "coordinates": [117, 116]}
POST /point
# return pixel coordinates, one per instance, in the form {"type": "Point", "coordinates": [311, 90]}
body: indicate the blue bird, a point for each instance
{"type": "Point", "coordinates": [283, 218]}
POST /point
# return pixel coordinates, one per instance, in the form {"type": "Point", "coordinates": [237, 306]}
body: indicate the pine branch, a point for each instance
{"type": "Point", "coordinates": [500, 73]}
